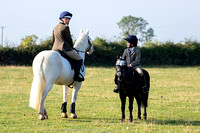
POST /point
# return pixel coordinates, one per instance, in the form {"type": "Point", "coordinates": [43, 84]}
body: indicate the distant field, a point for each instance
{"type": "Point", "coordinates": [174, 103]}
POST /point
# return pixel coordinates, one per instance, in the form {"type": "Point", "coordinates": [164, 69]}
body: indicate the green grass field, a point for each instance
{"type": "Point", "coordinates": [174, 103]}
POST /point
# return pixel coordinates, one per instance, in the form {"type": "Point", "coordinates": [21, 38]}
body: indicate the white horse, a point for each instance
{"type": "Point", "coordinates": [50, 67]}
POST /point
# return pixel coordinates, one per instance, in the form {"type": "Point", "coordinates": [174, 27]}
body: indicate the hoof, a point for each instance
{"type": "Point", "coordinates": [138, 117]}
{"type": "Point", "coordinates": [73, 116]}
{"type": "Point", "coordinates": [46, 116]}
{"type": "Point", "coordinates": [41, 117]}
{"type": "Point", "coordinates": [122, 120]}
{"type": "Point", "coordinates": [144, 118]}
{"type": "Point", "coordinates": [130, 120]}
{"type": "Point", "coordinates": [64, 115]}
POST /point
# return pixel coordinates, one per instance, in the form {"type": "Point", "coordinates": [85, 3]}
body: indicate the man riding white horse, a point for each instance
{"type": "Point", "coordinates": [62, 40]}
{"type": "Point", "coordinates": [132, 55]}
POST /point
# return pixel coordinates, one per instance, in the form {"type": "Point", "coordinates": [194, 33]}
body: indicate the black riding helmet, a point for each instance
{"type": "Point", "coordinates": [132, 39]}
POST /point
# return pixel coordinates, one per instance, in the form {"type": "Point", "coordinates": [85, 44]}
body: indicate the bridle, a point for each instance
{"type": "Point", "coordinates": [120, 68]}
{"type": "Point", "coordinates": [120, 71]}
{"type": "Point", "coordinates": [88, 49]}
{"type": "Point", "coordinates": [78, 51]}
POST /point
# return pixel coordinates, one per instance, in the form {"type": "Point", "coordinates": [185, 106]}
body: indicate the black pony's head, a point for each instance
{"type": "Point", "coordinates": [123, 73]}
{"type": "Point", "coordinates": [121, 67]}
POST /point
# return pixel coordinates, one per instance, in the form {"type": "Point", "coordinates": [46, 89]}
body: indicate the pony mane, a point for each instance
{"type": "Point", "coordinates": [82, 39]}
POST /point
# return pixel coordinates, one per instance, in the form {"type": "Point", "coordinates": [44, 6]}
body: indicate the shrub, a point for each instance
{"type": "Point", "coordinates": [105, 53]}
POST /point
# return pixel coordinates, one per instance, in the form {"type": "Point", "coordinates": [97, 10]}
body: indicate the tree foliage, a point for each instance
{"type": "Point", "coordinates": [136, 26]}
{"type": "Point", "coordinates": [28, 41]}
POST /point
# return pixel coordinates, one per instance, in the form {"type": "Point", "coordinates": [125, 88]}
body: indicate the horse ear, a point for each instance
{"type": "Point", "coordinates": [81, 31]}
{"type": "Point", "coordinates": [87, 32]}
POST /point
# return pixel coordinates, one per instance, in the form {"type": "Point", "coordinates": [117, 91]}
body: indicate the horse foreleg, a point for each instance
{"type": "Point", "coordinates": [145, 113]}
{"type": "Point", "coordinates": [123, 103]}
{"type": "Point", "coordinates": [131, 108]}
{"type": "Point", "coordinates": [76, 88]}
{"type": "Point", "coordinates": [45, 113]}
{"type": "Point", "coordinates": [64, 105]}
{"type": "Point", "coordinates": [42, 111]}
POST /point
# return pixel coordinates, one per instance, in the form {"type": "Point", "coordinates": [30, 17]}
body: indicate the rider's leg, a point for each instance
{"type": "Point", "coordinates": [79, 61]}
{"type": "Point", "coordinates": [140, 72]}
{"type": "Point", "coordinates": [73, 54]}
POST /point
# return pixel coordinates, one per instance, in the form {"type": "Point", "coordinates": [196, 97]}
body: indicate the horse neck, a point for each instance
{"type": "Point", "coordinates": [82, 55]}
{"type": "Point", "coordinates": [80, 47]}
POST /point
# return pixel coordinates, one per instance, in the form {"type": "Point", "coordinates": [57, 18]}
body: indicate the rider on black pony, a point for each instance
{"type": "Point", "coordinates": [132, 56]}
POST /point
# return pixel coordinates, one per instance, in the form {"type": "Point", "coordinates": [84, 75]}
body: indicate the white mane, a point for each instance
{"type": "Point", "coordinates": [82, 40]}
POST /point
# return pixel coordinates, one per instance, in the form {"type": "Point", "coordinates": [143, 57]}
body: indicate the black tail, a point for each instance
{"type": "Point", "coordinates": [147, 78]}
{"type": "Point", "coordinates": [144, 97]}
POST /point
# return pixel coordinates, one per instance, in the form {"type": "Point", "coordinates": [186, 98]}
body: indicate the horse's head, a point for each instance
{"type": "Point", "coordinates": [120, 68]}
{"type": "Point", "coordinates": [83, 43]}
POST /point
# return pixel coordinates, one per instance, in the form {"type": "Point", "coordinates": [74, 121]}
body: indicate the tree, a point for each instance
{"type": "Point", "coordinates": [136, 26]}
{"type": "Point", "coordinates": [28, 41]}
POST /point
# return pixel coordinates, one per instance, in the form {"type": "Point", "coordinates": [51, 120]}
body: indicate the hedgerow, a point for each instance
{"type": "Point", "coordinates": [105, 53]}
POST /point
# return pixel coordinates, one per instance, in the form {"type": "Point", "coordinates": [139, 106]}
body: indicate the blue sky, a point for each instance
{"type": "Point", "coordinates": [171, 20]}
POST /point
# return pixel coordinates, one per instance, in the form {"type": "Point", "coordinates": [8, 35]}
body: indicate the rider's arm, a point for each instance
{"type": "Point", "coordinates": [68, 36]}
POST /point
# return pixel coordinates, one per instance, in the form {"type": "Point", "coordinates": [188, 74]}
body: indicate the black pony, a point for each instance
{"type": "Point", "coordinates": [129, 84]}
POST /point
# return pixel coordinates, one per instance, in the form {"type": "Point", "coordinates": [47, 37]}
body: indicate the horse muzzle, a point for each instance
{"type": "Point", "coordinates": [91, 50]}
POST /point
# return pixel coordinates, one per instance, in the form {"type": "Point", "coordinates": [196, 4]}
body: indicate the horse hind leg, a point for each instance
{"type": "Point", "coordinates": [72, 111]}
{"type": "Point", "coordinates": [42, 111]}
{"type": "Point", "coordinates": [139, 107]}
{"type": "Point", "coordinates": [144, 105]}
{"type": "Point", "coordinates": [64, 105]}
{"type": "Point", "coordinates": [145, 114]}
{"type": "Point", "coordinates": [64, 110]}
{"type": "Point", "coordinates": [45, 113]}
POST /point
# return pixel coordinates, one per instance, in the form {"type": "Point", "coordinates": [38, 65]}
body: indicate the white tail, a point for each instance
{"type": "Point", "coordinates": [37, 85]}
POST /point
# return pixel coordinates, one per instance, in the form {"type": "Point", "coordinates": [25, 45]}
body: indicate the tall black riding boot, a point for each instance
{"type": "Point", "coordinates": [77, 71]}
{"type": "Point", "coordinates": [144, 87]}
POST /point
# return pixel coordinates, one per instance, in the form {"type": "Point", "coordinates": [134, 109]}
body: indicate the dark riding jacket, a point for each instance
{"type": "Point", "coordinates": [132, 58]}
{"type": "Point", "coordinates": [61, 38]}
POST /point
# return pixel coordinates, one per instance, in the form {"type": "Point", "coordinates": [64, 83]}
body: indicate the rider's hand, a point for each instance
{"type": "Point", "coordinates": [129, 65]}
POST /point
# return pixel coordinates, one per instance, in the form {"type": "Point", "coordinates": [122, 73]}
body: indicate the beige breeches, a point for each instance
{"type": "Point", "coordinates": [139, 70]}
{"type": "Point", "coordinates": [73, 54]}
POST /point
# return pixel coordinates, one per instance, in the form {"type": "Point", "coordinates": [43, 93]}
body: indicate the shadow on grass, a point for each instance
{"type": "Point", "coordinates": [136, 121]}
{"type": "Point", "coordinates": [86, 119]}
{"type": "Point", "coordinates": [144, 66]}
{"type": "Point", "coordinates": [174, 122]}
